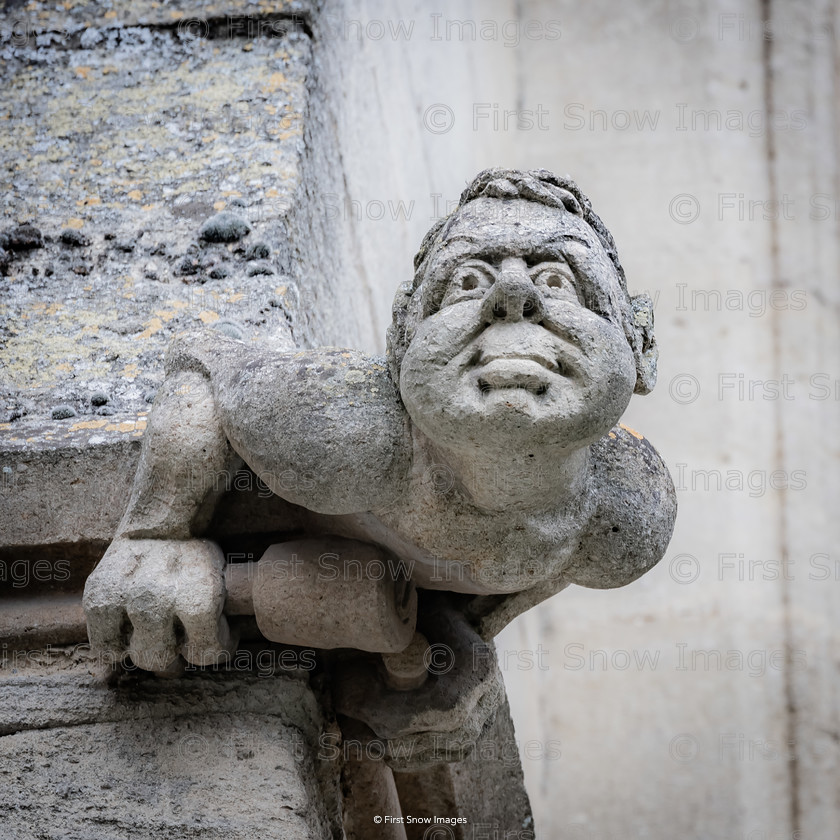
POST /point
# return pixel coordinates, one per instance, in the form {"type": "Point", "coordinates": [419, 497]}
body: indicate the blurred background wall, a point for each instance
{"type": "Point", "coordinates": [701, 701]}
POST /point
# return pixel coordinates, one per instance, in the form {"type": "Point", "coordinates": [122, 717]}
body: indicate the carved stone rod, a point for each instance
{"type": "Point", "coordinates": [477, 470]}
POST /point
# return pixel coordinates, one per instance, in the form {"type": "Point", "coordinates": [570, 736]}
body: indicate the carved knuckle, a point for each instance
{"type": "Point", "coordinates": [198, 595]}
{"type": "Point", "coordinates": [149, 598]}
{"type": "Point", "coordinates": [103, 594]}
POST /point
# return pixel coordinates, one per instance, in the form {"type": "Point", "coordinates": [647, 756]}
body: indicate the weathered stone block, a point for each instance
{"type": "Point", "coordinates": [83, 758]}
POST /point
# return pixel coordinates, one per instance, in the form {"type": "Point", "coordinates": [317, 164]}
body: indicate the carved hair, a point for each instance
{"type": "Point", "coordinates": [542, 187]}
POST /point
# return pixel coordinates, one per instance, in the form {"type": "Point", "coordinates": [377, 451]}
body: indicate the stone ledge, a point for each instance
{"type": "Point", "coordinates": [143, 757]}
{"type": "Point", "coordinates": [72, 686]}
{"type": "Point", "coordinates": [62, 481]}
{"type": "Point", "coordinates": [33, 623]}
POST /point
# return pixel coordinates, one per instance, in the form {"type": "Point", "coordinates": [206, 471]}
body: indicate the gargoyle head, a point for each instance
{"type": "Point", "coordinates": [518, 321]}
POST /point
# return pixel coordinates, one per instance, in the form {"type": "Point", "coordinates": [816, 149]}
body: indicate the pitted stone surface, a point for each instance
{"type": "Point", "coordinates": [66, 24]}
{"type": "Point", "coordinates": [174, 779]}
{"type": "Point", "coordinates": [165, 758]}
{"type": "Point", "coordinates": [113, 166]}
{"type": "Point", "coordinates": [114, 177]}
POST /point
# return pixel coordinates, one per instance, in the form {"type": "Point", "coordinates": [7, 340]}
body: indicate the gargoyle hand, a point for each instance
{"type": "Point", "coordinates": [154, 599]}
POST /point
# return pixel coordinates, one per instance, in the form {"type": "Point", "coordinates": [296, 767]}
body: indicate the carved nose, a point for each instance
{"type": "Point", "coordinates": [513, 296]}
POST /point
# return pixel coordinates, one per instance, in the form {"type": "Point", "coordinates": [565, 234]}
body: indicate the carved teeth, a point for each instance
{"type": "Point", "coordinates": [532, 388]}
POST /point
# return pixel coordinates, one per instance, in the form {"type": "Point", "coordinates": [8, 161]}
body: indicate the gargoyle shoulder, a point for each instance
{"type": "Point", "coordinates": [323, 428]}
{"type": "Point", "coordinates": [633, 517]}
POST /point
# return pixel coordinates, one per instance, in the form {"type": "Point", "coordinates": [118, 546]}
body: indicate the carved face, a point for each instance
{"type": "Point", "coordinates": [518, 340]}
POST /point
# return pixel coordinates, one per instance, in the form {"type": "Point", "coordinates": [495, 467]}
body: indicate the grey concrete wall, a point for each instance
{"type": "Point", "coordinates": [700, 702]}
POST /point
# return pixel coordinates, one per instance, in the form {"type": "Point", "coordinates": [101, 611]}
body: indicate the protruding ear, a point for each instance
{"type": "Point", "coordinates": [645, 349]}
{"type": "Point", "coordinates": [397, 336]}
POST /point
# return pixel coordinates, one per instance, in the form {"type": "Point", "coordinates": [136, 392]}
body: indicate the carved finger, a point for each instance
{"type": "Point", "coordinates": [208, 640]}
{"type": "Point", "coordinates": [104, 606]}
{"type": "Point", "coordinates": [106, 624]}
{"type": "Point", "coordinates": [199, 599]}
{"type": "Point", "coordinates": [153, 645]}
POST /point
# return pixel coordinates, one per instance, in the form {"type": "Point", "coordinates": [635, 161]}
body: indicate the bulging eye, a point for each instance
{"type": "Point", "coordinates": [552, 279]}
{"type": "Point", "coordinates": [556, 279]}
{"type": "Point", "coordinates": [469, 277]}
{"type": "Point", "coordinates": [472, 277]}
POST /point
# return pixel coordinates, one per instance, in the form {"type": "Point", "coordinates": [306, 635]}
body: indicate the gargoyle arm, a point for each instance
{"type": "Point", "coordinates": [323, 428]}
{"type": "Point", "coordinates": [185, 463]}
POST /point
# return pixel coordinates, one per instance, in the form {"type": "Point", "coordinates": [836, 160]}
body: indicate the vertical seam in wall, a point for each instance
{"type": "Point", "coordinates": [833, 15]}
{"type": "Point", "coordinates": [349, 247]}
{"type": "Point", "coordinates": [520, 70]}
{"type": "Point", "coordinates": [777, 282]}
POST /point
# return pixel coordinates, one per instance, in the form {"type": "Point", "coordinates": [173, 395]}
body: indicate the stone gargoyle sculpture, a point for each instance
{"type": "Point", "coordinates": [484, 455]}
